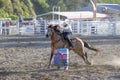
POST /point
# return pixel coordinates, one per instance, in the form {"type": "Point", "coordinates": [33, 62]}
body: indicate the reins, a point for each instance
{"type": "Point", "coordinates": [58, 33]}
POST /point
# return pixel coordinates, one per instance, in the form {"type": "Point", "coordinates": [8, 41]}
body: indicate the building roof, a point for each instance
{"type": "Point", "coordinates": [75, 15]}
{"type": "Point", "coordinates": [81, 15]}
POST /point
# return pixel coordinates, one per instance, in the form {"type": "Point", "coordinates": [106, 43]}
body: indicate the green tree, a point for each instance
{"type": "Point", "coordinates": [40, 6]}
{"type": "Point", "coordinates": [109, 1]}
{"type": "Point", "coordinates": [13, 17]}
{"type": "Point", "coordinates": [62, 5]}
{"type": "Point", "coordinates": [2, 3]}
{"type": "Point", "coordinates": [73, 4]}
{"type": "Point", "coordinates": [52, 2]}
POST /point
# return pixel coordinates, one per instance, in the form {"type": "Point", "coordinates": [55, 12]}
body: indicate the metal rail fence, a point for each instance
{"type": "Point", "coordinates": [85, 28]}
{"type": "Point", "coordinates": [96, 28]}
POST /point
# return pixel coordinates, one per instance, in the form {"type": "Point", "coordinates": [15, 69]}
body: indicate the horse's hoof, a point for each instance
{"type": "Point", "coordinates": [88, 63]}
{"type": "Point", "coordinates": [49, 67]}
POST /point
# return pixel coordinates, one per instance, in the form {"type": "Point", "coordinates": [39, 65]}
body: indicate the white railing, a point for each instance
{"type": "Point", "coordinates": [85, 28]}
{"type": "Point", "coordinates": [11, 28]}
{"type": "Point", "coordinates": [96, 28]}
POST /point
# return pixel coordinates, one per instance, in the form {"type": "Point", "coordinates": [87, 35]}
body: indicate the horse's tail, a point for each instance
{"type": "Point", "coordinates": [90, 47]}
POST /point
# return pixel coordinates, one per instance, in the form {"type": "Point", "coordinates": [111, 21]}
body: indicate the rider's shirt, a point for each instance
{"type": "Point", "coordinates": [66, 29]}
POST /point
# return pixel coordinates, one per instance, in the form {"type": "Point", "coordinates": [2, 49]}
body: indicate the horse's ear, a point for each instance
{"type": "Point", "coordinates": [50, 26]}
{"type": "Point", "coordinates": [55, 27]}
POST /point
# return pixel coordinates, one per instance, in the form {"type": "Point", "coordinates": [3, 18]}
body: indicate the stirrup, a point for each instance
{"type": "Point", "coordinates": [70, 47]}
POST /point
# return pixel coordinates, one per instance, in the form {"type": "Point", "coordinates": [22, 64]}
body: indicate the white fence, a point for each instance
{"type": "Point", "coordinates": [85, 28]}
{"type": "Point", "coordinates": [9, 27]}
{"type": "Point", "coordinates": [96, 28]}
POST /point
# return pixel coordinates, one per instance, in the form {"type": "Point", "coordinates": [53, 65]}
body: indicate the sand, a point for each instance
{"type": "Point", "coordinates": [26, 58]}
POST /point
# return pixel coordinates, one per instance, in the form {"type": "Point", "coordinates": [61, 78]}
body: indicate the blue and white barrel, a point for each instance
{"type": "Point", "coordinates": [61, 58]}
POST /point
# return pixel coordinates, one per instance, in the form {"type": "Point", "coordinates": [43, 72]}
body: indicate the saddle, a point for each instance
{"type": "Point", "coordinates": [72, 39]}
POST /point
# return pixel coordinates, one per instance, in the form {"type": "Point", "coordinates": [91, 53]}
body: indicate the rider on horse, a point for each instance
{"type": "Point", "coordinates": [67, 32]}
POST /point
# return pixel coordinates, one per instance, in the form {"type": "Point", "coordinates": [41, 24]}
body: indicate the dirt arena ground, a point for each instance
{"type": "Point", "coordinates": [26, 58]}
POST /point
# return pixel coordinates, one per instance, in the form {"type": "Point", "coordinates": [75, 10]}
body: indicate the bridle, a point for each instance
{"type": "Point", "coordinates": [52, 31]}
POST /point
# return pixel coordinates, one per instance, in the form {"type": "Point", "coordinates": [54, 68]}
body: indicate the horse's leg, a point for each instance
{"type": "Point", "coordinates": [85, 58]}
{"type": "Point", "coordinates": [51, 56]}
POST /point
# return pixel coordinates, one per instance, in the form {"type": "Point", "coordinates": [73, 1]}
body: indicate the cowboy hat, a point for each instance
{"type": "Point", "coordinates": [65, 23]}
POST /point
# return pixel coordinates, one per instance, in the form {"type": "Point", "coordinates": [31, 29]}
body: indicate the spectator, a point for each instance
{"type": "Point", "coordinates": [7, 27]}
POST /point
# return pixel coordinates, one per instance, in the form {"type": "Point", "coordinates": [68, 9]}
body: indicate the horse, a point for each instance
{"type": "Point", "coordinates": [58, 42]}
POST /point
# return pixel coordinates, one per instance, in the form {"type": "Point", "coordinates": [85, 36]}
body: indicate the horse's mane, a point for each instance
{"type": "Point", "coordinates": [50, 26]}
{"type": "Point", "coordinates": [55, 28]}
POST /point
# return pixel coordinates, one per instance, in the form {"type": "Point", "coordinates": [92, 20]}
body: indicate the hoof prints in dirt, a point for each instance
{"type": "Point", "coordinates": [9, 42]}
{"type": "Point", "coordinates": [26, 58]}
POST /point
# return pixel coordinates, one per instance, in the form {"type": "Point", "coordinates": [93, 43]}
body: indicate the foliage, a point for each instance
{"type": "Point", "coordinates": [73, 4]}
{"type": "Point", "coordinates": [43, 5]}
{"type": "Point", "coordinates": [2, 3]}
{"type": "Point", "coordinates": [62, 5]}
{"type": "Point", "coordinates": [13, 17]}
{"type": "Point", "coordinates": [31, 8]}
{"type": "Point", "coordinates": [52, 2]}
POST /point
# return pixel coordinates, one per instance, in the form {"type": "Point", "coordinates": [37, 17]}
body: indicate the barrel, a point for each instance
{"type": "Point", "coordinates": [61, 58]}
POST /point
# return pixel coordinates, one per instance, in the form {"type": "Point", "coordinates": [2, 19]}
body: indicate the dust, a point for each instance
{"type": "Point", "coordinates": [113, 60]}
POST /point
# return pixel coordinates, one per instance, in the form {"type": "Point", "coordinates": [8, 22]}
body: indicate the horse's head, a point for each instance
{"type": "Point", "coordinates": [51, 29]}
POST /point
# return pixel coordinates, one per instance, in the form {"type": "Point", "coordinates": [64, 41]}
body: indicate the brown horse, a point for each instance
{"type": "Point", "coordinates": [58, 42]}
